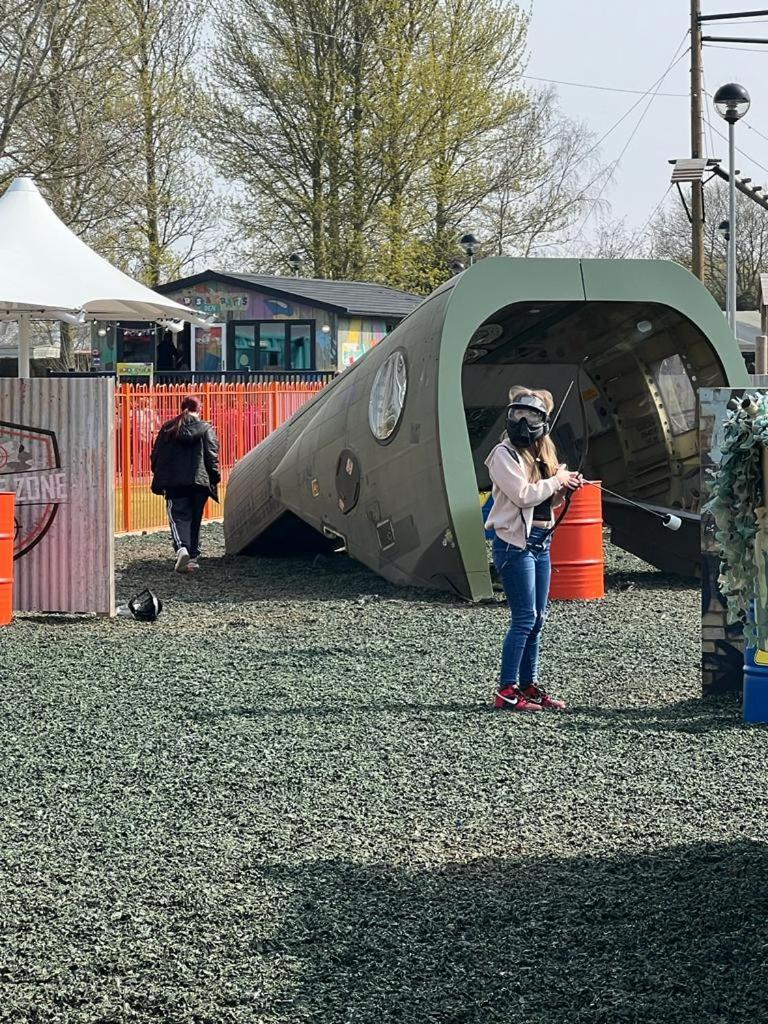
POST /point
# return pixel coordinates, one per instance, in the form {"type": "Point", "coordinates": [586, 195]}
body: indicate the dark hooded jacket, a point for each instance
{"type": "Point", "coordinates": [189, 460]}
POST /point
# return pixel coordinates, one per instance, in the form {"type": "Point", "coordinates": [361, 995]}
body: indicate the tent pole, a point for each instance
{"type": "Point", "coordinates": [24, 360]}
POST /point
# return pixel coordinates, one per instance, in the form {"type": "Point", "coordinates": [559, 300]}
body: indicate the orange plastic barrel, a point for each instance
{"type": "Point", "coordinates": [7, 532]}
{"type": "Point", "coordinates": [578, 564]}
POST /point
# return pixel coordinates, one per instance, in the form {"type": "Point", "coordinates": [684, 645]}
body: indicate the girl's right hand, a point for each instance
{"type": "Point", "coordinates": [568, 479]}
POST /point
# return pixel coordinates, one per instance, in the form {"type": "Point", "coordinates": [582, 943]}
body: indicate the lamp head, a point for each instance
{"type": "Point", "coordinates": [732, 102]}
{"type": "Point", "coordinates": [469, 244]}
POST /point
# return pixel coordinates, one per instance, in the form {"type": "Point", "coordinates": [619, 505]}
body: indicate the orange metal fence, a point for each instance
{"type": "Point", "coordinates": [242, 415]}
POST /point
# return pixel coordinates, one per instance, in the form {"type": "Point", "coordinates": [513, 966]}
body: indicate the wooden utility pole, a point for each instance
{"type": "Point", "coordinates": [697, 143]}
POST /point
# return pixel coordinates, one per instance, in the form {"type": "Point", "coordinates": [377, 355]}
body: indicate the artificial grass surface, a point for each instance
{"type": "Point", "coordinates": [288, 801]}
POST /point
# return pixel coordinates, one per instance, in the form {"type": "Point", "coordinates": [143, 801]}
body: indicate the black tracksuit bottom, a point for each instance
{"type": "Point", "coordinates": [185, 514]}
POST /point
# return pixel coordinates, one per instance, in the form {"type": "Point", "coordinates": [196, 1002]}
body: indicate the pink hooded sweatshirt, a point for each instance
{"type": "Point", "coordinates": [514, 496]}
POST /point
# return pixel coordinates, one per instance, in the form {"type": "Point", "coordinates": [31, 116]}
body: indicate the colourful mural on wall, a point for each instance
{"type": "Point", "coordinates": [229, 303]}
{"type": "Point", "coordinates": [356, 336]}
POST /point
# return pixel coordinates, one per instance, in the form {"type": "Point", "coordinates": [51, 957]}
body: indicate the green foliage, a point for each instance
{"type": "Point", "coordinates": [104, 110]}
{"type": "Point", "coordinates": [370, 133]}
{"type": "Point", "coordinates": [737, 492]}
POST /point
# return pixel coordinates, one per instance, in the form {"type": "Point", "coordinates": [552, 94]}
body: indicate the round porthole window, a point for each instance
{"type": "Point", "coordinates": [388, 396]}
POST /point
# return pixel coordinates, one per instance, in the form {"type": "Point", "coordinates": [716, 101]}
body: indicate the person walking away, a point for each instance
{"type": "Point", "coordinates": [528, 487]}
{"type": "Point", "coordinates": [185, 470]}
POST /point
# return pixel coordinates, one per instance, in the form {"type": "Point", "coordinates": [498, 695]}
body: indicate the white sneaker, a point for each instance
{"type": "Point", "coordinates": [193, 565]}
{"type": "Point", "coordinates": [182, 560]}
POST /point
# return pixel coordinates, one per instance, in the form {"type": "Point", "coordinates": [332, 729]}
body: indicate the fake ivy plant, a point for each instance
{"type": "Point", "coordinates": [736, 498]}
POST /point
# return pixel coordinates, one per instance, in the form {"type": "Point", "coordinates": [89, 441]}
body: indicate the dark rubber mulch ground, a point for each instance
{"type": "Point", "coordinates": [288, 801]}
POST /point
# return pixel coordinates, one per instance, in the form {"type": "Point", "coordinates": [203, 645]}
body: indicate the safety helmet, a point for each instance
{"type": "Point", "coordinates": [532, 425]}
{"type": "Point", "coordinates": [146, 606]}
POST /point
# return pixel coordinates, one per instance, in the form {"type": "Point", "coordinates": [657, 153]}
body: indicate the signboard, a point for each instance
{"type": "Point", "coordinates": [56, 454]}
{"type": "Point", "coordinates": [135, 370]}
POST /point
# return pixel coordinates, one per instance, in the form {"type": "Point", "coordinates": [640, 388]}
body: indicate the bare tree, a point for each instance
{"type": "Point", "coordinates": [170, 212]}
{"type": "Point", "coordinates": [29, 30]}
{"type": "Point", "coordinates": [671, 239]}
{"type": "Point", "coordinates": [540, 179]}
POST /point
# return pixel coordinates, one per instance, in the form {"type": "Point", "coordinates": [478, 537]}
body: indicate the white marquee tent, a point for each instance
{"type": "Point", "coordinates": [48, 273]}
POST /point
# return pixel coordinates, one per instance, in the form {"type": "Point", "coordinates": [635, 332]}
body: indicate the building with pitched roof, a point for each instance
{"type": "Point", "coordinates": [264, 323]}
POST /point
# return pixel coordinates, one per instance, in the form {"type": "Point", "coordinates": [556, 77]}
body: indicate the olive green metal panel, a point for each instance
{"type": "Point", "coordinates": [396, 520]}
{"type": "Point", "coordinates": [671, 285]}
{"type": "Point", "coordinates": [479, 293]}
{"type": "Point", "coordinates": [417, 518]}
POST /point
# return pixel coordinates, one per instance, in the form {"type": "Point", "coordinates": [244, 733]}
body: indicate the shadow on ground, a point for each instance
{"type": "Point", "coordinates": [691, 716]}
{"type": "Point", "coordinates": [694, 716]}
{"type": "Point", "coordinates": [677, 936]}
{"type": "Point", "coordinates": [647, 579]}
{"type": "Point", "coordinates": [325, 578]}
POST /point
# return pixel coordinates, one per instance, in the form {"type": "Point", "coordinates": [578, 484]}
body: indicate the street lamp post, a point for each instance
{"type": "Point", "coordinates": [470, 245]}
{"type": "Point", "coordinates": [732, 103]}
{"type": "Point", "coordinates": [724, 228]}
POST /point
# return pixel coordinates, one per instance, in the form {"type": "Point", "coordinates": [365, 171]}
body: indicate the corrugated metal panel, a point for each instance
{"type": "Point", "coordinates": [57, 454]}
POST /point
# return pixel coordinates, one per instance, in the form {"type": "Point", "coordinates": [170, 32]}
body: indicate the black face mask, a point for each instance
{"type": "Point", "coordinates": [520, 432]}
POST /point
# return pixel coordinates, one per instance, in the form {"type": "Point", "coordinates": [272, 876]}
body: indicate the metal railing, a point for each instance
{"type": "Point", "coordinates": [195, 377]}
{"type": "Point", "coordinates": [243, 414]}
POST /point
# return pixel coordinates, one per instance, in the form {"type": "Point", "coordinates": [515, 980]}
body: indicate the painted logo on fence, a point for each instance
{"type": "Point", "coordinates": [30, 465]}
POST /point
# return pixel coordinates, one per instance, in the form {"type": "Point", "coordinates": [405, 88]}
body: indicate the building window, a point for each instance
{"type": "Point", "coordinates": [271, 345]}
{"type": "Point", "coordinates": [209, 348]}
{"type": "Point", "coordinates": [245, 357]}
{"type": "Point", "coordinates": [272, 354]}
{"type": "Point", "coordinates": [136, 344]}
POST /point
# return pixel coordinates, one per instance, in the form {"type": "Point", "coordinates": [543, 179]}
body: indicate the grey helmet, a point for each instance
{"type": "Point", "coordinates": [523, 431]}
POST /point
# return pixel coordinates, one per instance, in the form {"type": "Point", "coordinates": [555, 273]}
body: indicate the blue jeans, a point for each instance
{"type": "Point", "coordinates": [525, 574]}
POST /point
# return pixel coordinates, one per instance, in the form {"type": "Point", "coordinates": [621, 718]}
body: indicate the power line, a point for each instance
{"type": "Point", "coordinates": [675, 60]}
{"type": "Point", "coordinates": [755, 130]}
{"type": "Point", "coordinates": [736, 49]}
{"type": "Point", "coordinates": [603, 88]}
{"type": "Point", "coordinates": [706, 115]}
{"type": "Point", "coordinates": [738, 22]}
{"type": "Point", "coordinates": [641, 232]}
{"type": "Point", "coordinates": [634, 106]}
{"type": "Point", "coordinates": [750, 158]}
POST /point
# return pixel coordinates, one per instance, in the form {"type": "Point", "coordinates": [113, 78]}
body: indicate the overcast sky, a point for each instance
{"type": "Point", "coordinates": [629, 44]}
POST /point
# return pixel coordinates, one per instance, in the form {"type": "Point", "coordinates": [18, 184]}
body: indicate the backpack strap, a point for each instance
{"type": "Point", "coordinates": [516, 457]}
{"type": "Point", "coordinates": [511, 451]}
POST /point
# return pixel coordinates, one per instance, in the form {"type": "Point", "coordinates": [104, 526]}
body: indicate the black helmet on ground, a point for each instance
{"type": "Point", "coordinates": [527, 420]}
{"type": "Point", "coordinates": [146, 606]}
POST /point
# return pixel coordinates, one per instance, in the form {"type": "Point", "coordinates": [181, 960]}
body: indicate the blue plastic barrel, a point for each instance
{"type": "Point", "coordinates": [489, 534]}
{"type": "Point", "coordinates": [755, 699]}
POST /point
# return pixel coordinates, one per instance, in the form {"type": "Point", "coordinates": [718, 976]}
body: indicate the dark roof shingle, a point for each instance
{"type": "Point", "coordinates": [355, 298]}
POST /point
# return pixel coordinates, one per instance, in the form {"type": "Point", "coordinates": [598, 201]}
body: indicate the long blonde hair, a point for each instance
{"type": "Point", "coordinates": [543, 449]}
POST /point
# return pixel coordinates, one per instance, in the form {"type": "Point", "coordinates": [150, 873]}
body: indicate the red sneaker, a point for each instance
{"type": "Point", "coordinates": [509, 698]}
{"type": "Point", "coordinates": [540, 697]}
